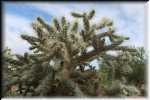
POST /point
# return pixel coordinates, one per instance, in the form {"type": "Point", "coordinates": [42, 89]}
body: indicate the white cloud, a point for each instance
{"type": "Point", "coordinates": [136, 24]}
{"type": "Point", "coordinates": [13, 27]}
{"type": "Point", "coordinates": [55, 9]}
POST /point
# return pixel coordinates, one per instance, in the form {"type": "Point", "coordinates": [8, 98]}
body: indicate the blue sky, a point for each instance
{"type": "Point", "coordinates": [129, 19]}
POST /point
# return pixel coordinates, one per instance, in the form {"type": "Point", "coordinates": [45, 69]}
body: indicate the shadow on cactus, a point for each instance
{"type": "Point", "coordinates": [58, 64]}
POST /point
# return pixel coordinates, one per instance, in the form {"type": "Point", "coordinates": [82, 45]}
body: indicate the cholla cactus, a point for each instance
{"type": "Point", "coordinates": [64, 44]}
{"type": "Point", "coordinates": [124, 73]}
